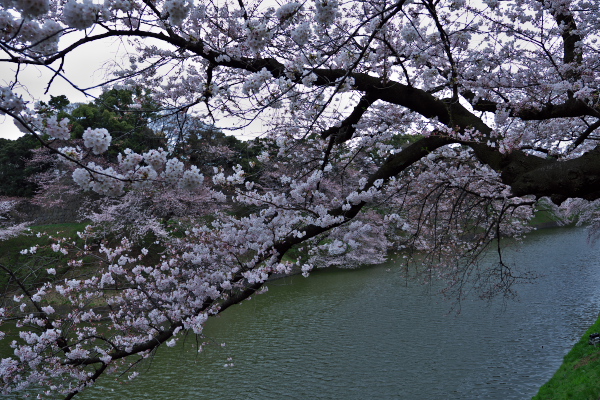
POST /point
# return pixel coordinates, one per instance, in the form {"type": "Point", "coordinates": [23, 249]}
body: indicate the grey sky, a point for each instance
{"type": "Point", "coordinates": [85, 67]}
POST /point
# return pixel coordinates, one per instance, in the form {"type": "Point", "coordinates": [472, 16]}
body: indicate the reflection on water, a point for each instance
{"type": "Point", "coordinates": [366, 334]}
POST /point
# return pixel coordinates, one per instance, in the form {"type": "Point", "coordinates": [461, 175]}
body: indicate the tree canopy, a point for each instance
{"type": "Point", "coordinates": [14, 168]}
{"type": "Point", "coordinates": [385, 125]}
{"type": "Point", "coordinates": [17, 167]}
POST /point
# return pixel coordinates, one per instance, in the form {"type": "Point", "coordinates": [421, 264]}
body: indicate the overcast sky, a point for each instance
{"type": "Point", "coordinates": [87, 66]}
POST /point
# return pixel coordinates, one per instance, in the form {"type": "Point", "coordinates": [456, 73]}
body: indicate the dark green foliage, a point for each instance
{"type": "Point", "coordinates": [126, 115]}
{"type": "Point", "coordinates": [208, 147]}
{"type": "Point", "coordinates": [15, 171]}
{"type": "Point", "coordinates": [56, 105]}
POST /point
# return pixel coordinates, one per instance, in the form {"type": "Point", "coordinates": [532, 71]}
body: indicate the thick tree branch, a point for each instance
{"type": "Point", "coordinates": [564, 19]}
{"type": "Point", "coordinates": [586, 134]}
{"type": "Point", "coordinates": [346, 129]}
{"type": "Point", "coordinates": [579, 177]}
{"type": "Point", "coordinates": [569, 109]}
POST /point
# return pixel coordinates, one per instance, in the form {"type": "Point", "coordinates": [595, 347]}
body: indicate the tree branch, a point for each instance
{"type": "Point", "coordinates": [345, 131]}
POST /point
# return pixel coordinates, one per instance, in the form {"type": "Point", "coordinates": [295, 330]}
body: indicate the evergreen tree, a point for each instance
{"type": "Point", "coordinates": [126, 114]}
{"type": "Point", "coordinates": [15, 171]}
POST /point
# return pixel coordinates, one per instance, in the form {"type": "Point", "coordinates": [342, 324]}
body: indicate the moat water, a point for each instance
{"type": "Point", "coordinates": [370, 334]}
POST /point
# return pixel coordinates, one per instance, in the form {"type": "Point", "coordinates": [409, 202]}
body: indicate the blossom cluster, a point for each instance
{"type": "Point", "coordinates": [122, 5]}
{"type": "Point", "coordinates": [191, 179]}
{"type": "Point", "coordinates": [257, 35]}
{"type": "Point", "coordinates": [326, 11]}
{"type": "Point", "coordinates": [73, 153]}
{"type": "Point", "coordinates": [255, 81]}
{"type": "Point", "coordinates": [108, 181]}
{"type": "Point", "coordinates": [287, 11]}
{"type": "Point", "coordinates": [58, 129]}
{"type": "Point", "coordinates": [98, 140]}
{"type": "Point", "coordinates": [42, 39]}
{"type": "Point", "coordinates": [32, 8]}
{"type": "Point", "coordinates": [302, 33]}
{"type": "Point", "coordinates": [155, 158]}
{"type": "Point", "coordinates": [11, 102]}
{"type": "Point", "coordinates": [128, 160]}
{"type": "Point", "coordinates": [176, 11]}
{"type": "Point", "coordinates": [81, 15]}
{"type": "Point", "coordinates": [105, 181]}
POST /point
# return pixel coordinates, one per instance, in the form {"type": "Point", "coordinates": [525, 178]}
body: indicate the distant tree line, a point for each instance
{"type": "Point", "coordinates": [131, 118]}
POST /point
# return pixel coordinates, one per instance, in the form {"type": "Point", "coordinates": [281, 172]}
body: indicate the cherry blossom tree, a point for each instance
{"type": "Point", "coordinates": [498, 97]}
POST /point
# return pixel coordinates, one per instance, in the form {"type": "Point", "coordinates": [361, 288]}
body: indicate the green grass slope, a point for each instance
{"type": "Point", "coordinates": [578, 378]}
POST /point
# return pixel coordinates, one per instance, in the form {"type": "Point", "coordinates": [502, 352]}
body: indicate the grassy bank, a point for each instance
{"type": "Point", "coordinates": [28, 268]}
{"type": "Point", "coordinates": [578, 378]}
